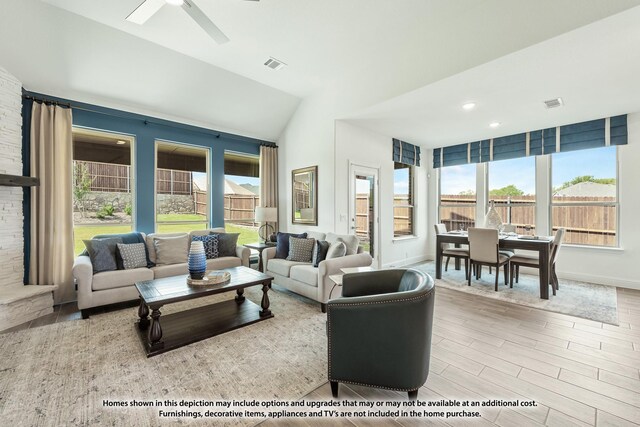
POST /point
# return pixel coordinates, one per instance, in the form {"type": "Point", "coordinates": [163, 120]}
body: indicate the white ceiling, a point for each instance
{"type": "Point", "coordinates": [372, 50]}
{"type": "Point", "coordinates": [595, 69]}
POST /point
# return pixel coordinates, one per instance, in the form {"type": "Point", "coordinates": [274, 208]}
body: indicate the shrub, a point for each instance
{"type": "Point", "coordinates": [127, 209]}
{"type": "Point", "coordinates": [108, 210]}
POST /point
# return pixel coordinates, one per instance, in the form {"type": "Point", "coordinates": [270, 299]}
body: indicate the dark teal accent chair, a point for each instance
{"type": "Point", "coordinates": [379, 331]}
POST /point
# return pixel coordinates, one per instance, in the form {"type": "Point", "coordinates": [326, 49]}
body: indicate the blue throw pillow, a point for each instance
{"type": "Point", "coordinates": [282, 245]}
{"type": "Point", "coordinates": [210, 243]}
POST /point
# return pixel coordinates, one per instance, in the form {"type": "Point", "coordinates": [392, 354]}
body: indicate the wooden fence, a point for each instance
{"type": "Point", "coordinates": [402, 215]}
{"type": "Point", "coordinates": [584, 223]}
{"type": "Point", "coordinates": [240, 208]}
{"type": "Point", "coordinates": [109, 177]}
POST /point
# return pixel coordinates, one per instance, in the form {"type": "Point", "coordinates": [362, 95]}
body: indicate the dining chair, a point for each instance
{"type": "Point", "coordinates": [484, 250]}
{"type": "Point", "coordinates": [533, 262]}
{"type": "Point", "coordinates": [507, 228]}
{"type": "Point", "coordinates": [450, 251]}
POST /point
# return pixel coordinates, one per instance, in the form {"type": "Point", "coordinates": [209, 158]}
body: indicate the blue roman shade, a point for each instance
{"type": "Point", "coordinates": [406, 153]}
{"type": "Point", "coordinates": [578, 136]}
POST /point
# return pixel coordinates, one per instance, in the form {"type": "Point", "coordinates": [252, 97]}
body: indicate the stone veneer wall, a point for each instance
{"type": "Point", "coordinates": [11, 237]}
{"type": "Point", "coordinates": [18, 303]}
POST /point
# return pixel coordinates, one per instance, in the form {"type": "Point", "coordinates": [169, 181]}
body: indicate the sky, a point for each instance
{"type": "Point", "coordinates": [600, 162]}
{"type": "Point", "coordinates": [243, 179]}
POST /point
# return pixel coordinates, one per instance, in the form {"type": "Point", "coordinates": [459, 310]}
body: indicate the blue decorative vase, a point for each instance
{"type": "Point", "coordinates": [197, 261]}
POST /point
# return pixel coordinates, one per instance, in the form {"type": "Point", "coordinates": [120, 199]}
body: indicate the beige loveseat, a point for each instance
{"type": "Point", "coordinates": [109, 287]}
{"type": "Point", "coordinates": [305, 279]}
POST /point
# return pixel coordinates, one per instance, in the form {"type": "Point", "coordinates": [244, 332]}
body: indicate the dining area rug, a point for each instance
{"type": "Point", "coordinates": [580, 299]}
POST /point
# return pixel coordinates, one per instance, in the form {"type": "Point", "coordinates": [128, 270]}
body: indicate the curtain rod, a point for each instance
{"type": "Point", "coordinates": [145, 120]}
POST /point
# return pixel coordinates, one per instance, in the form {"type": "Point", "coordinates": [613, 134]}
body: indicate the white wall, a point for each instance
{"type": "Point", "coordinates": [367, 148]}
{"type": "Point", "coordinates": [11, 238]}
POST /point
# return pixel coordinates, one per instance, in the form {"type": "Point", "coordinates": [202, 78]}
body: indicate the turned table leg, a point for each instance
{"type": "Point", "coordinates": [265, 301]}
{"type": "Point", "coordinates": [155, 334]}
{"type": "Point", "coordinates": [240, 296]}
{"type": "Point", "coordinates": [143, 313]}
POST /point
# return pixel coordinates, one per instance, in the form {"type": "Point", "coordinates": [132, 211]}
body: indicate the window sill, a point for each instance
{"type": "Point", "coordinates": [592, 248]}
{"type": "Point", "coordinates": [403, 238]}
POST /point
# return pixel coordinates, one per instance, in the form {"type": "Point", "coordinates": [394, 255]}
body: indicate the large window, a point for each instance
{"type": "Point", "coordinates": [182, 187]}
{"type": "Point", "coordinates": [458, 196]}
{"type": "Point", "coordinates": [512, 187]}
{"type": "Point", "coordinates": [103, 183]}
{"type": "Point", "coordinates": [403, 201]}
{"type": "Point", "coordinates": [585, 200]}
{"type": "Point", "coordinates": [241, 195]}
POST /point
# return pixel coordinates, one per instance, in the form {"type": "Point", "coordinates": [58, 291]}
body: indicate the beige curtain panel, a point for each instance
{"type": "Point", "coordinates": [52, 202]}
{"type": "Point", "coordinates": [269, 177]}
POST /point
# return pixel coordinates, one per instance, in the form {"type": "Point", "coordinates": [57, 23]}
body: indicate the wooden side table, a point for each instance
{"type": "Point", "coordinates": [337, 278]}
{"type": "Point", "coordinates": [260, 246]}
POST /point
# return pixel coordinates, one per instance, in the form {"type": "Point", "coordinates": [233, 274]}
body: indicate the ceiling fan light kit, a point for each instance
{"type": "Point", "coordinates": [148, 8]}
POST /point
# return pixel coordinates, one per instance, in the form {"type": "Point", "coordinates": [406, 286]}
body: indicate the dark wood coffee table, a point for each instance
{"type": "Point", "coordinates": [186, 327]}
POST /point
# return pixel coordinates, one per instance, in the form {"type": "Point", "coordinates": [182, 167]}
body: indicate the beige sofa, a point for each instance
{"type": "Point", "coordinates": [111, 287]}
{"type": "Point", "coordinates": [305, 279]}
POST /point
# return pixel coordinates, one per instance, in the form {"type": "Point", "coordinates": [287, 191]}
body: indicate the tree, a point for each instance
{"type": "Point", "coordinates": [509, 190]}
{"type": "Point", "coordinates": [81, 185]}
{"type": "Point", "coordinates": [586, 178]}
{"type": "Point", "coordinates": [467, 193]}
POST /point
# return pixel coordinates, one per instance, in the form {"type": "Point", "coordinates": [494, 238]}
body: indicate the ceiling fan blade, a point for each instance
{"type": "Point", "coordinates": [146, 10]}
{"type": "Point", "coordinates": [209, 27]}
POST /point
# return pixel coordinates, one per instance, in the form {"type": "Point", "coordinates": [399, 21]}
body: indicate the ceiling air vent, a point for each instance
{"type": "Point", "coordinates": [274, 64]}
{"type": "Point", "coordinates": [553, 103]}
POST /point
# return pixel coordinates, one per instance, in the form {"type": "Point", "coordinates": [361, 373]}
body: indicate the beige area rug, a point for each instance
{"type": "Point", "coordinates": [58, 375]}
{"type": "Point", "coordinates": [580, 299]}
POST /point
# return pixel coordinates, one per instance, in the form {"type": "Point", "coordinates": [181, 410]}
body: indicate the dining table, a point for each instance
{"type": "Point", "coordinates": [539, 244]}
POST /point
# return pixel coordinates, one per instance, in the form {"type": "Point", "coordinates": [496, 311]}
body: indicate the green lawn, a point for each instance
{"type": "Point", "coordinates": [85, 232]}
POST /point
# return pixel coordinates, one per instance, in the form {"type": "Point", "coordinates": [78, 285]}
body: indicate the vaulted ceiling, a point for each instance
{"type": "Point", "coordinates": [84, 49]}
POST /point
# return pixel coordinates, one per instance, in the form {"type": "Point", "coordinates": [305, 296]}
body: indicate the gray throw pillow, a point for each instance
{"type": "Point", "coordinates": [171, 250]}
{"type": "Point", "coordinates": [227, 243]}
{"type": "Point", "coordinates": [320, 252]}
{"type": "Point", "coordinates": [350, 240]}
{"type": "Point", "coordinates": [134, 255]}
{"type": "Point", "coordinates": [336, 250]}
{"type": "Point", "coordinates": [102, 253]}
{"type": "Point", "coordinates": [300, 249]}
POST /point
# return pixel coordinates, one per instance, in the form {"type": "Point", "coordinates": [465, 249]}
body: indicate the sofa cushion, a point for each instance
{"type": "Point", "coordinates": [316, 235]}
{"type": "Point", "coordinates": [305, 273]}
{"type": "Point", "coordinates": [300, 249]}
{"type": "Point", "coordinates": [120, 278]}
{"type": "Point", "coordinates": [320, 252]}
{"type": "Point", "coordinates": [102, 253]}
{"type": "Point", "coordinates": [134, 255]}
{"type": "Point", "coordinates": [210, 243]}
{"type": "Point", "coordinates": [168, 270]}
{"type": "Point", "coordinates": [223, 262]}
{"type": "Point", "coordinates": [350, 240]}
{"type": "Point", "coordinates": [336, 250]}
{"type": "Point", "coordinates": [171, 250]}
{"type": "Point", "coordinates": [227, 243]}
{"type": "Point", "coordinates": [151, 247]}
{"type": "Point", "coordinates": [282, 245]}
{"type": "Point", "coordinates": [282, 266]}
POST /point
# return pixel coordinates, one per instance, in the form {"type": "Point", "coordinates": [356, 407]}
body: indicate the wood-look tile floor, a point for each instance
{"type": "Point", "coordinates": [580, 372]}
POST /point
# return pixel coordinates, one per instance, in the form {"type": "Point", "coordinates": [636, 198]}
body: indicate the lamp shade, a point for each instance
{"type": "Point", "coordinates": [266, 214]}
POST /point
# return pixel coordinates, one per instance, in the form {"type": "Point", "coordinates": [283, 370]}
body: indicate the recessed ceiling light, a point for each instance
{"type": "Point", "coordinates": [469, 106]}
{"type": "Point", "coordinates": [121, 142]}
{"type": "Point", "coordinates": [494, 124]}
{"type": "Point", "coordinates": [175, 2]}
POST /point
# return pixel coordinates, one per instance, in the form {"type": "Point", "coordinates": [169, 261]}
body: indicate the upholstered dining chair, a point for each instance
{"type": "Point", "coordinates": [451, 252]}
{"type": "Point", "coordinates": [533, 262]}
{"type": "Point", "coordinates": [484, 250]}
{"type": "Point", "coordinates": [379, 331]}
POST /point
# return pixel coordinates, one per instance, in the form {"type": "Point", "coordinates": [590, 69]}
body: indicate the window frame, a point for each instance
{"type": "Point", "coordinates": [616, 204]}
{"type": "Point", "coordinates": [534, 203]}
{"type": "Point", "coordinates": [412, 205]}
{"type": "Point", "coordinates": [474, 205]}
{"type": "Point", "coordinates": [207, 220]}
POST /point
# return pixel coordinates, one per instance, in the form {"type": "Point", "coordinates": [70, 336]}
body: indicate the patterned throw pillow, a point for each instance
{"type": "Point", "coordinates": [211, 244]}
{"type": "Point", "coordinates": [300, 249]}
{"type": "Point", "coordinates": [282, 245]}
{"type": "Point", "coordinates": [102, 253]}
{"type": "Point", "coordinates": [227, 243]}
{"type": "Point", "coordinates": [133, 255]}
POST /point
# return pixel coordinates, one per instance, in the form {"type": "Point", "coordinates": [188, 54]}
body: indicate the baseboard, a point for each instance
{"type": "Point", "coordinates": [590, 278]}
{"type": "Point", "coordinates": [406, 261]}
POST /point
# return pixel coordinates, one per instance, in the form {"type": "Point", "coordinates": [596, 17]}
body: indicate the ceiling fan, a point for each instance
{"type": "Point", "coordinates": [149, 7]}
